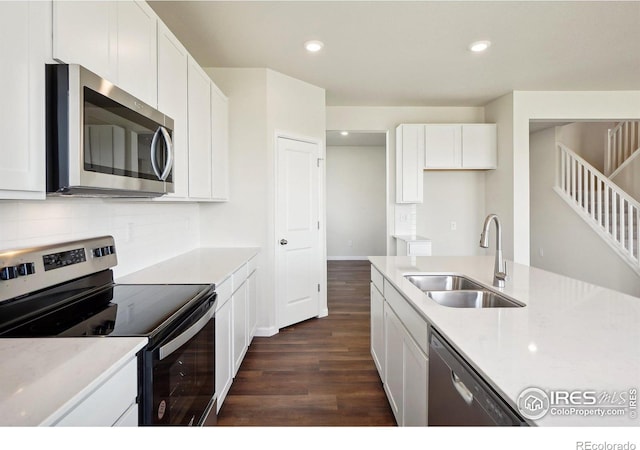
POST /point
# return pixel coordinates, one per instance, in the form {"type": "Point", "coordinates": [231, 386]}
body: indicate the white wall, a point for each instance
{"type": "Point", "coordinates": [262, 102]}
{"type": "Point", "coordinates": [356, 205]}
{"type": "Point", "coordinates": [499, 188]}
{"type": "Point", "coordinates": [452, 196]}
{"type": "Point", "coordinates": [587, 139]}
{"type": "Point", "coordinates": [509, 191]}
{"type": "Point", "coordinates": [145, 233]}
{"type": "Point", "coordinates": [386, 119]}
{"type": "Point", "coordinates": [561, 241]}
{"type": "Point", "coordinates": [629, 177]}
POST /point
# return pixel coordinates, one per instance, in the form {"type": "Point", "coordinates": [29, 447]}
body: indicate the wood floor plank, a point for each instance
{"type": "Point", "coordinates": [318, 372]}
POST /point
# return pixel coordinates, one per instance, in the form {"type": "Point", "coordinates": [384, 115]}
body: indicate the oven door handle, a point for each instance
{"type": "Point", "coordinates": [190, 332]}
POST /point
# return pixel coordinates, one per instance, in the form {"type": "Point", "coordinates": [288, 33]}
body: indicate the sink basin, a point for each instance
{"type": "Point", "coordinates": [472, 299]}
{"type": "Point", "coordinates": [443, 283]}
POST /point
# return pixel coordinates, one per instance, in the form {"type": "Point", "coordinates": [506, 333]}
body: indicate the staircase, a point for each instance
{"type": "Point", "coordinates": [623, 142]}
{"type": "Point", "coordinates": [610, 211]}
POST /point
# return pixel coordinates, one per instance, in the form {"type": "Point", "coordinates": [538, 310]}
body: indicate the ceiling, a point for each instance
{"type": "Point", "coordinates": [356, 139]}
{"type": "Point", "coordinates": [415, 53]}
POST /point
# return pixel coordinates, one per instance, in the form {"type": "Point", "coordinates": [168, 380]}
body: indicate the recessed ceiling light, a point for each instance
{"type": "Point", "coordinates": [344, 133]}
{"type": "Point", "coordinates": [313, 46]}
{"type": "Point", "coordinates": [479, 46]}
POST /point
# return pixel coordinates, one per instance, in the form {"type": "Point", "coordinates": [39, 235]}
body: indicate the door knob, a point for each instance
{"type": "Point", "coordinates": [283, 242]}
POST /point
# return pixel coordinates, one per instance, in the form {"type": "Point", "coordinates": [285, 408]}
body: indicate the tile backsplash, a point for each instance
{"type": "Point", "coordinates": [144, 232]}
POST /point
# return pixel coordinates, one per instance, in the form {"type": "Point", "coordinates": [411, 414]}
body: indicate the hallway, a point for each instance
{"type": "Point", "coordinates": [318, 372]}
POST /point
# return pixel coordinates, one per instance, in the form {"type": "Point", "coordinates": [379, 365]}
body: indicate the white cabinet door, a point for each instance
{"type": "Point", "coordinates": [409, 163]}
{"type": "Point", "coordinates": [377, 329]}
{"type": "Point", "coordinates": [394, 365]}
{"type": "Point", "coordinates": [219, 144]}
{"type": "Point", "coordinates": [415, 391]}
{"type": "Point", "coordinates": [137, 51]}
{"type": "Point", "coordinates": [224, 349]}
{"type": "Point", "coordinates": [23, 49]}
{"type": "Point", "coordinates": [252, 299]}
{"type": "Point", "coordinates": [86, 33]}
{"type": "Point", "coordinates": [239, 305]}
{"type": "Point", "coordinates": [479, 146]}
{"type": "Point", "coordinates": [109, 402]}
{"type": "Point", "coordinates": [172, 101]}
{"type": "Point", "coordinates": [199, 104]}
{"type": "Point", "coordinates": [443, 146]}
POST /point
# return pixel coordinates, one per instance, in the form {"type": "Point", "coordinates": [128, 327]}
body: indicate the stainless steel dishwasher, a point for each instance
{"type": "Point", "coordinates": [458, 395]}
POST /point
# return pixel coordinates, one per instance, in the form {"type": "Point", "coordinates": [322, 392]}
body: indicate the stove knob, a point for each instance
{"type": "Point", "coordinates": [26, 269]}
{"type": "Point", "coordinates": [8, 273]}
{"type": "Point", "coordinates": [106, 250]}
{"type": "Point", "coordinates": [97, 252]}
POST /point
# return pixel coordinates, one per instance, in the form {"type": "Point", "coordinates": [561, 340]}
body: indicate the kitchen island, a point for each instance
{"type": "Point", "coordinates": [569, 335]}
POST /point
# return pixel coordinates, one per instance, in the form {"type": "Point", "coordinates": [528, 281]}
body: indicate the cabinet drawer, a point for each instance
{"type": "Point", "coordinates": [224, 293]}
{"type": "Point", "coordinates": [377, 279]}
{"type": "Point", "coordinates": [413, 322]}
{"type": "Point", "coordinates": [418, 248]}
{"type": "Point", "coordinates": [239, 277]}
{"type": "Point", "coordinates": [107, 404]}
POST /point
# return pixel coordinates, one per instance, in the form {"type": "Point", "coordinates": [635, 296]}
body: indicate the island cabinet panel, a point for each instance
{"type": "Point", "coordinates": [399, 350]}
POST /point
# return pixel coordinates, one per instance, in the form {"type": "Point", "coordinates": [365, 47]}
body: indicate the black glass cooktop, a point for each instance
{"type": "Point", "coordinates": [111, 310]}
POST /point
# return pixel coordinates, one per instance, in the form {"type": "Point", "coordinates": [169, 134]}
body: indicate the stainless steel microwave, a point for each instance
{"type": "Point", "coordinates": [102, 141]}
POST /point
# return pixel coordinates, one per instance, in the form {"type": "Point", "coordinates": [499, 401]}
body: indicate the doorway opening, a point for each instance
{"type": "Point", "coordinates": [356, 192]}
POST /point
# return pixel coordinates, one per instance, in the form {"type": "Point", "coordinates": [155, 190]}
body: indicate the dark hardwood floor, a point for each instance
{"type": "Point", "coordinates": [318, 372]}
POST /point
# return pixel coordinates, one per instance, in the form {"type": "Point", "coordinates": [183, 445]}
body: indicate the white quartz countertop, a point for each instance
{"type": "Point", "coordinates": [570, 335]}
{"type": "Point", "coordinates": [200, 266]}
{"type": "Point", "coordinates": [44, 378]}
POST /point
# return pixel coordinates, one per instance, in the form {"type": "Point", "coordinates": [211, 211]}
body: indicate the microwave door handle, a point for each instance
{"type": "Point", "coordinates": [184, 337]}
{"type": "Point", "coordinates": [154, 163]}
{"type": "Point", "coordinates": [169, 146]}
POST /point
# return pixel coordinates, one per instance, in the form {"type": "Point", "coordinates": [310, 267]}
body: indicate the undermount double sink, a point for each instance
{"type": "Point", "coordinates": [456, 291]}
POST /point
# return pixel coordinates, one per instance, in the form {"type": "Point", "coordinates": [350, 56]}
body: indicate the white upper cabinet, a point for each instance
{"type": "Point", "coordinates": [479, 146]}
{"type": "Point", "coordinates": [172, 100]}
{"type": "Point", "coordinates": [409, 163]}
{"type": "Point", "coordinates": [200, 125]}
{"type": "Point", "coordinates": [219, 144]}
{"type": "Point", "coordinates": [114, 39]}
{"type": "Point", "coordinates": [137, 50]}
{"type": "Point", "coordinates": [86, 33]}
{"type": "Point", "coordinates": [443, 146]}
{"type": "Point", "coordinates": [460, 146]}
{"type": "Point", "coordinates": [23, 49]}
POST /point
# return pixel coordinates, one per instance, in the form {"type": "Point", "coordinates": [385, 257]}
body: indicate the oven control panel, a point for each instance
{"type": "Point", "coordinates": [30, 269]}
{"type": "Point", "coordinates": [62, 259]}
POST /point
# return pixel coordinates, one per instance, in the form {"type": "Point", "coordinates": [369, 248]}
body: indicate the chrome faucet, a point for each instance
{"type": "Point", "coordinates": [500, 269]}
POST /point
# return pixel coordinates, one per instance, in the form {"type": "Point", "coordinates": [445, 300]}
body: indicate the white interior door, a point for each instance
{"type": "Point", "coordinates": [298, 238]}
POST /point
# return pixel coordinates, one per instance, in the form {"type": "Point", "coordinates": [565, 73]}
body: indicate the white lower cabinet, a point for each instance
{"type": "Point", "coordinates": [235, 325]}
{"type": "Point", "coordinates": [240, 343]}
{"type": "Point", "coordinates": [224, 343]}
{"type": "Point", "coordinates": [406, 372]}
{"type": "Point", "coordinates": [377, 329]}
{"type": "Point", "coordinates": [113, 403]}
{"type": "Point", "coordinates": [399, 350]}
{"type": "Point", "coordinates": [252, 304]}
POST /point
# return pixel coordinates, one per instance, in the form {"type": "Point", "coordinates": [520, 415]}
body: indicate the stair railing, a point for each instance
{"type": "Point", "coordinates": [610, 211]}
{"type": "Point", "coordinates": [622, 142]}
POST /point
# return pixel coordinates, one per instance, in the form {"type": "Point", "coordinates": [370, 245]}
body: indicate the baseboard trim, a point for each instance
{"type": "Point", "coordinates": [347, 258]}
{"type": "Point", "coordinates": [266, 331]}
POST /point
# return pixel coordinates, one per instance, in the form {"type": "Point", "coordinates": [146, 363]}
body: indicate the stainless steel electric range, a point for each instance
{"type": "Point", "coordinates": [67, 290]}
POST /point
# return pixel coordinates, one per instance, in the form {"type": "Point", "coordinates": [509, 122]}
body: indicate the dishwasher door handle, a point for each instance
{"type": "Point", "coordinates": [464, 391]}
